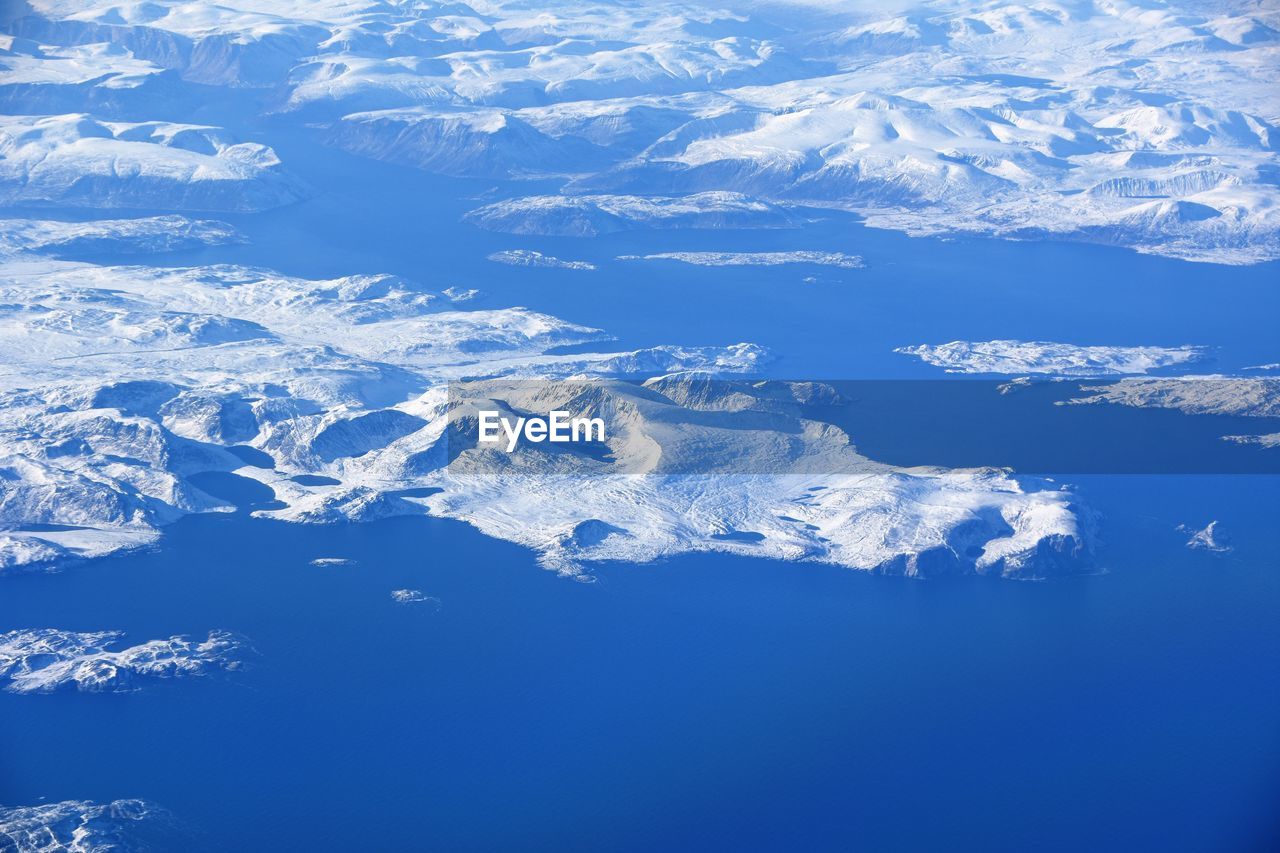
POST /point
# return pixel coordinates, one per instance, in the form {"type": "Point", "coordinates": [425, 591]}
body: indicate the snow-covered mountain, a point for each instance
{"type": "Point", "coordinates": [134, 395]}
{"type": "Point", "coordinates": [1155, 131]}
{"type": "Point", "coordinates": [693, 464]}
{"type": "Point", "coordinates": [49, 660]}
{"type": "Point", "coordinates": [77, 161]}
{"type": "Point", "coordinates": [174, 340]}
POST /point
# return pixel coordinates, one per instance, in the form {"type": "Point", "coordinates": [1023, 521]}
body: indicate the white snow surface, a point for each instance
{"type": "Point", "coordinates": [1040, 357]}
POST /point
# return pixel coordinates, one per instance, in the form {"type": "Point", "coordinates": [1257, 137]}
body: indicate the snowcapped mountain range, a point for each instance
{"type": "Point", "coordinates": [131, 390]}
{"type": "Point", "coordinates": [168, 346]}
{"type": "Point", "coordinates": [129, 393]}
{"type": "Point", "coordinates": [1156, 131]}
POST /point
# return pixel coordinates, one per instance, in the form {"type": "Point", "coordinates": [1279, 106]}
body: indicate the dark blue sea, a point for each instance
{"type": "Point", "coordinates": [706, 702]}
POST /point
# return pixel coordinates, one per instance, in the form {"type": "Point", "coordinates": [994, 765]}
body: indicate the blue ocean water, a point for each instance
{"type": "Point", "coordinates": [378, 217]}
{"type": "Point", "coordinates": [708, 701]}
